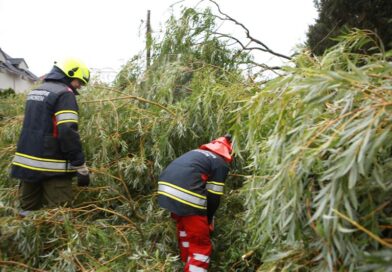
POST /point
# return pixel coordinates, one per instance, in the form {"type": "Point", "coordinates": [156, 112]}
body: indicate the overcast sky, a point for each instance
{"type": "Point", "coordinates": [105, 34]}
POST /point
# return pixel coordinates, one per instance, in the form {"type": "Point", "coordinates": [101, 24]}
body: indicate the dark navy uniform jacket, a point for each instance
{"type": "Point", "coordinates": [193, 183]}
{"type": "Point", "coordinates": [49, 142]}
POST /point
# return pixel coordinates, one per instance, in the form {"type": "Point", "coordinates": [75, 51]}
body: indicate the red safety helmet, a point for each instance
{"type": "Point", "coordinates": [221, 146]}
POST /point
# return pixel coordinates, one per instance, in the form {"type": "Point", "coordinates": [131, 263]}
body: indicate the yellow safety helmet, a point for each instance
{"type": "Point", "coordinates": [74, 68]}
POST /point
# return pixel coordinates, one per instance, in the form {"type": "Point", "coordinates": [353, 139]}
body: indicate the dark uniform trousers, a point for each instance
{"type": "Point", "coordinates": [51, 192]}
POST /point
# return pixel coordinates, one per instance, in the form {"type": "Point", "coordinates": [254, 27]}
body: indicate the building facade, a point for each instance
{"type": "Point", "coordinates": [15, 74]}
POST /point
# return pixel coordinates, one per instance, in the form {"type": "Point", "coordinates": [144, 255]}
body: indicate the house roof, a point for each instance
{"type": "Point", "coordinates": [11, 65]}
{"type": "Point", "coordinates": [17, 61]}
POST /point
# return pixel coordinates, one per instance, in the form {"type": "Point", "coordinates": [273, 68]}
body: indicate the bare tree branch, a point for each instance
{"type": "Point", "coordinates": [265, 67]}
{"type": "Point", "coordinates": [263, 47]}
{"type": "Point", "coordinates": [245, 47]}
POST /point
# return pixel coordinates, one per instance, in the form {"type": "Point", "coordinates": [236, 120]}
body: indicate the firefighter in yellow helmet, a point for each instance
{"type": "Point", "coordinates": [49, 151]}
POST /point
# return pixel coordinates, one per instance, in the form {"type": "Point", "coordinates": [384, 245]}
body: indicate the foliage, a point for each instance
{"type": "Point", "coordinates": [336, 16]}
{"type": "Point", "coordinates": [130, 133]}
{"type": "Point", "coordinates": [6, 92]}
{"type": "Point", "coordinates": [320, 194]}
{"type": "Point", "coordinates": [115, 225]}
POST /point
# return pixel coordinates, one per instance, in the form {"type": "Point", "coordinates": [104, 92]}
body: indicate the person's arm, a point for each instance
{"type": "Point", "coordinates": [214, 187]}
{"type": "Point", "coordinates": [66, 115]}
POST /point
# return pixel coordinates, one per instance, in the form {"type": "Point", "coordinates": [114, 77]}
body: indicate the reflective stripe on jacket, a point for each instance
{"type": "Point", "coordinates": [41, 164]}
{"type": "Point", "coordinates": [193, 183]}
{"type": "Point", "coordinates": [49, 143]}
{"type": "Point", "coordinates": [184, 196]}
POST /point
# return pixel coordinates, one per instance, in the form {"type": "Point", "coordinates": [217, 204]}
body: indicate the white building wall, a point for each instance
{"type": "Point", "coordinates": [23, 85]}
{"type": "Point", "coordinates": [23, 65]}
{"type": "Point", "coordinates": [16, 82]}
{"type": "Point", "coordinates": [6, 81]}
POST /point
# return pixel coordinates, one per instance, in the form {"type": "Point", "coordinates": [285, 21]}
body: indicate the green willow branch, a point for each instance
{"type": "Point", "coordinates": [132, 97]}
{"type": "Point", "coordinates": [13, 263]}
{"type": "Point", "coordinates": [358, 226]}
{"type": "Point", "coordinates": [99, 171]}
{"type": "Point", "coordinates": [92, 207]}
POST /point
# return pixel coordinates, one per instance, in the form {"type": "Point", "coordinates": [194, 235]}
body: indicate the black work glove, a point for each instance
{"type": "Point", "coordinates": [83, 175]}
{"type": "Point", "coordinates": [83, 180]}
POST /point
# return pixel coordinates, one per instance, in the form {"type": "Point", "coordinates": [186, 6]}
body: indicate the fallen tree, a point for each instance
{"type": "Point", "coordinates": [310, 189]}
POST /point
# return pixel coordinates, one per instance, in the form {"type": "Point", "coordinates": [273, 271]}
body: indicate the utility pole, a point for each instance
{"type": "Point", "coordinates": [148, 40]}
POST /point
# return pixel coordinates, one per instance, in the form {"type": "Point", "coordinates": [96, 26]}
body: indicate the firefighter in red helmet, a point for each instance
{"type": "Point", "coordinates": [190, 188]}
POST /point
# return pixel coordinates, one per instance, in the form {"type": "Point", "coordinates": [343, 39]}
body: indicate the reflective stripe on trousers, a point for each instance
{"type": "Point", "coordinates": [194, 268]}
{"type": "Point", "coordinates": [194, 241]}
